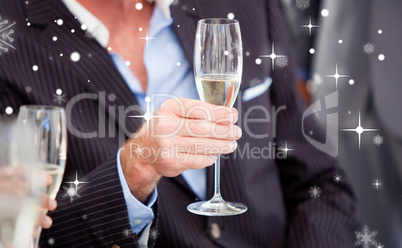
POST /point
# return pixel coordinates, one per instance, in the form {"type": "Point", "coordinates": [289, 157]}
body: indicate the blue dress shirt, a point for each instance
{"type": "Point", "coordinates": [168, 73]}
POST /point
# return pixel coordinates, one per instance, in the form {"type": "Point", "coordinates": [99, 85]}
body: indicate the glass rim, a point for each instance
{"type": "Point", "coordinates": [43, 107]}
{"type": "Point", "coordinates": [217, 20]}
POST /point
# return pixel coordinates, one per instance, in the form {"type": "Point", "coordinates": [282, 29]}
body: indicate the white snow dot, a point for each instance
{"type": "Point", "coordinates": [147, 99]}
{"type": "Point", "coordinates": [312, 50]}
{"type": "Point", "coordinates": [349, 112]}
{"type": "Point", "coordinates": [324, 12]}
{"type": "Point", "coordinates": [231, 16]}
{"type": "Point", "coordinates": [112, 97]}
{"type": "Point", "coordinates": [28, 89]}
{"type": "Point", "coordinates": [73, 30]}
{"type": "Point", "coordinates": [340, 41]}
{"type": "Point", "coordinates": [59, 22]}
{"type": "Point", "coordinates": [247, 54]}
{"type": "Point", "coordinates": [9, 110]}
{"type": "Point", "coordinates": [28, 24]}
{"type": "Point", "coordinates": [351, 82]}
{"type": "Point", "coordinates": [138, 6]}
{"type": "Point", "coordinates": [258, 61]}
{"type": "Point", "coordinates": [109, 49]}
{"type": "Point", "coordinates": [59, 92]}
{"type": "Point", "coordinates": [140, 29]}
{"type": "Point", "coordinates": [54, 38]}
{"type": "Point", "coordinates": [226, 53]}
{"type": "Point", "coordinates": [128, 63]}
{"type": "Point", "coordinates": [193, 9]}
{"type": "Point", "coordinates": [178, 63]}
{"type": "Point", "coordinates": [379, 31]}
{"type": "Point", "coordinates": [35, 68]}
{"type": "Point", "coordinates": [84, 27]}
{"type": "Point", "coordinates": [178, 26]}
{"type": "Point", "coordinates": [381, 57]}
{"type": "Point", "coordinates": [75, 56]}
{"type": "Point", "coordinates": [61, 55]}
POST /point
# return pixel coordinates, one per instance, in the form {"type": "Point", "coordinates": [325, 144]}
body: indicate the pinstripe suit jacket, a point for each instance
{"type": "Point", "coordinates": [281, 212]}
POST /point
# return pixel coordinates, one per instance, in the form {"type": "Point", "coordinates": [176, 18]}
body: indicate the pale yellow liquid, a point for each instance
{"type": "Point", "coordinates": [56, 172]}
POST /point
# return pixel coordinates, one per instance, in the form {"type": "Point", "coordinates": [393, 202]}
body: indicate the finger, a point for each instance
{"type": "Point", "coordinates": [13, 172]}
{"type": "Point", "coordinates": [48, 203]}
{"type": "Point", "coordinates": [196, 109]}
{"type": "Point", "coordinates": [11, 187]}
{"type": "Point", "coordinates": [45, 221]}
{"type": "Point", "coordinates": [202, 128]}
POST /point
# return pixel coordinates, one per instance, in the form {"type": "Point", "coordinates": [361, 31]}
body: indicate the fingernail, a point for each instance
{"type": "Point", "coordinates": [238, 132]}
{"type": "Point", "coordinates": [48, 221]}
{"type": "Point", "coordinates": [52, 204]}
{"type": "Point", "coordinates": [230, 117]}
{"type": "Point", "coordinates": [233, 145]}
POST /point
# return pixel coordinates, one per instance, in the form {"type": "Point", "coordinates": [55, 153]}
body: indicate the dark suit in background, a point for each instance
{"type": "Point", "coordinates": [281, 212]}
{"type": "Point", "coordinates": [370, 54]}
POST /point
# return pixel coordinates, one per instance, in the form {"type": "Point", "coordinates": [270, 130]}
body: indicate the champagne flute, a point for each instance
{"type": "Point", "coordinates": [50, 136]}
{"type": "Point", "coordinates": [218, 65]}
{"type": "Point", "coordinates": [19, 186]}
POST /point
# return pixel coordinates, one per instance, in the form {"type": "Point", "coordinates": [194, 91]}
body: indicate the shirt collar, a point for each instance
{"type": "Point", "coordinates": [95, 27]}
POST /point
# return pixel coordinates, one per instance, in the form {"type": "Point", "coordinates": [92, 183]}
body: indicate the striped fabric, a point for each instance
{"type": "Point", "coordinates": [281, 212]}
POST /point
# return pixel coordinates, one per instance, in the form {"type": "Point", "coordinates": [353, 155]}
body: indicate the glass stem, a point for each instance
{"type": "Point", "coordinates": [217, 198]}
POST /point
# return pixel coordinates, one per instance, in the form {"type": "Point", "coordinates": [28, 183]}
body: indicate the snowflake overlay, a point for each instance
{"type": "Point", "coordinates": [127, 233]}
{"type": "Point", "coordinates": [302, 4]}
{"type": "Point", "coordinates": [6, 36]}
{"type": "Point", "coordinates": [71, 192]}
{"type": "Point", "coordinates": [368, 48]}
{"type": "Point", "coordinates": [50, 241]}
{"type": "Point", "coordinates": [281, 61]}
{"type": "Point", "coordinates": [315, 192]}
{"type": "Point", "coordinates": [59, 98]}
{"type": "Point", "coordinates": [337, 178]}
{"type": "Point", "coordinates": [317, 78]}
{"type": "Point", "coordinates": [172, 48]}
{"type": "Point", "coordinates": [153, 233]}
{"type": "Point", "coordinates": [254, 82]}
{"type": "Point", "coordinates": [378, 140]}
{"type": "Point", "coordinates": [366, 239]}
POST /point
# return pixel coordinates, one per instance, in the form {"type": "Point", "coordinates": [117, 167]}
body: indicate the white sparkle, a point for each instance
{"type": "Point", "coordinates": [379, 31]}
{"type": "Point", "coordinates": [337, 178]}
{"type": "Point", "coordinates": [128, 63]}
{"type": "Point", "coordinates": [258, 61]}
{"type": "Point", "coordinates": [146, 38]}
{"type": "Point", "coordinates": [377, 184]}
{"type": "Point", "coordinates": [127, 233]}
{"type": "Point", "coordinates": [9, 110]}
{"type": "Point", "coordinates": [84, 26]}
{"type": "Point", "coordinates": [340, 41]}
{"type": "Point", "coordinates": [59, 92]}
{"type": "Point", "coordinates": [231, 16]}
{"type": "Point", "coordinates": [378, 140]}
{"type": "Point", "coordinates": [59, 22]}
{"type": "Point", "coordinates": [273, 56]}
{"type": "Point", "coordinates": [178, 63]}
{"type": "Point", "coordinates": [140, 29]}
{"type": "Point", "coordinates": [28, 24]}
{"type": "Point", "coordinates": [109, 49]}
{"type": "Point", "coordinates": [50, 241]}
{"type": "Point", "coordinates": [147, 116]}
{"type": "Point", "coordinates": [35, 68]}
{"type": "Point", "coordinates": [138, 6]}
{"type": "Point", "coordinates": [73, 30]}
{"type": "Point", "coordinates": [351, 82]}
{"type": "Point", "coordinates": [312, 50]}
{"type": "Point", "coordinates": [381, 57]}
{"type": "Point", "coordinates": [76, 182]}
{"type": "Point", "coordinates": [54, 38]}
{"type": "Point", "coordinates": [336, 76]}
{"type": "Point", "coordinates": [315, 192]}
{"type": "Point", "coordinates": [360, 130]}
{"type": "Point", "coordinates": [317, 78]}
{"type": "Point", "coordinates": [247, 53]}
{"type": "Point", "coordinates": [365, 238]}
{"type": "Point", "coordinates": [153, 234]}
{"type": "Point", "coordinates": [324, 12]}
{"type": "Point", "coordinates": [286, 149]}
{"type": "Point", "coordinates": [75, 56]}
{"type": "Point", "coordinates": [310, 26]}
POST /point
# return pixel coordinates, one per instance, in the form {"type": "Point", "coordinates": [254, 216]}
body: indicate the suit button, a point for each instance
{"type": "Point", "coordinates": [115, 246]}
{"type": "Point", "coordinates": [215, 231]}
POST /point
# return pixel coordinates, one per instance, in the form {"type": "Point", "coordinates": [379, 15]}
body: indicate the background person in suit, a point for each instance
{"type": "Point", "coordinates": [362, 38]}
{"type": "Point", "coordinates": [86, 56]}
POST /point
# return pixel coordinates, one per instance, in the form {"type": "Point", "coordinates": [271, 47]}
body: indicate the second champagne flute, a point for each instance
{"type": "Point", "coordinates": [218, 65]}
{"type": "Point", "coordinates": [48, 124]}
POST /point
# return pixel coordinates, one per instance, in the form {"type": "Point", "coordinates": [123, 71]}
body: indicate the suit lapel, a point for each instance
{"type": "Point", "coordinates": [95, 69]}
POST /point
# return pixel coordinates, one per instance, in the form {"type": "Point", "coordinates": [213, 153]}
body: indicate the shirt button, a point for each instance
{"type": "Point", "coordinates": [115, 246]}
{"type": "Point", "coordinates": [137, 222]}
{"type": "Point", "coordinates": [215, 231]}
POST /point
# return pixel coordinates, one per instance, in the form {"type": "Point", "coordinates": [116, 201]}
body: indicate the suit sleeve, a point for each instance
{"type": "Point", "coordinates": [326, 220]}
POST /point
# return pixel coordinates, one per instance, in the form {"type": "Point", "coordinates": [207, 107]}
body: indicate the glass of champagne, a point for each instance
{"type": "Point", "coordinates": [218, 65]}
{"type": "Point", "coordinates": [50, 137]}
{"type": "Point", "coordinates": [19, 186]}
